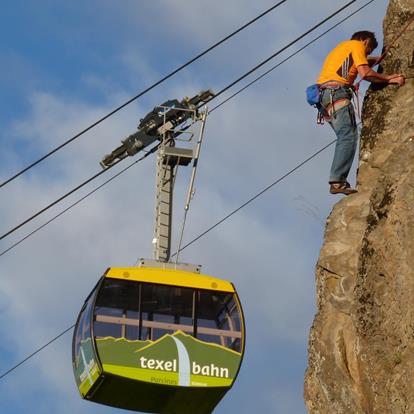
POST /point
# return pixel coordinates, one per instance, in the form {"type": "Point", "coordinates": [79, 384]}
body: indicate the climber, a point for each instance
{"type": "Point", "coordinates": [340, 69]}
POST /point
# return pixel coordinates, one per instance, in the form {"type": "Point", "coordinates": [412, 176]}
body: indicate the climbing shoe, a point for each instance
{"type": "Point", "coordinates": [342, 188]}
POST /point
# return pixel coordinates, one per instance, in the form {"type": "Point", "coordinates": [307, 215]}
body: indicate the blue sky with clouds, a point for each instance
{"type": "Point", "coordinates": [66, 64]}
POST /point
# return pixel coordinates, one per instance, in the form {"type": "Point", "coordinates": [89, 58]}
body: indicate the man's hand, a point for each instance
{"type": "Point", "coordinates": [365, 72]}
{"type": "Point", "coordinates": [396, 78]}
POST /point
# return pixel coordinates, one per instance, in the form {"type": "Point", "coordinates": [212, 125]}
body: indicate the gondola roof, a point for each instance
{"type": "Point", "coordinates": [171, 277]}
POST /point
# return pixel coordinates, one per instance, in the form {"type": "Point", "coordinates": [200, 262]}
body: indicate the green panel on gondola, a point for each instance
{"type": "Point", "coordinates": [176, 360]}
{"type": "Point", "coordinates": [86, 368]}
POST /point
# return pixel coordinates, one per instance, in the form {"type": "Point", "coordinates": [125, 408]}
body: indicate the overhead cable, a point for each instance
{"type": "Point", "coordinates": [259, 194]}
{"type": "Point", "coordinates": [35, 352]}
{"type": "Point", "coordinates": [277, 181]}
{"type": "Point", "coordinates": [218, 94]}
{"type": "Point", "coordinates": [56, 201]}
{"type": "Point", "coordinates": [209, 49]}
{"type": "Point", "coordinates": [153, 149]}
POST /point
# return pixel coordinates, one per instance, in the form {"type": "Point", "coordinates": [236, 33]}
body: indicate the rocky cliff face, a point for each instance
{"type": "Point", "coordinates": [361, 345]}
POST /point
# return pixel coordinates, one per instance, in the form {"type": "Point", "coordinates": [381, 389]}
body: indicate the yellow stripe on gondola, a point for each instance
{"type": "Point", "coordinates": [169, 277]}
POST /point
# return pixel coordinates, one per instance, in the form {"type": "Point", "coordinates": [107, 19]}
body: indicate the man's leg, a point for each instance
{"type": "Point", "coordinates": [344, 125]}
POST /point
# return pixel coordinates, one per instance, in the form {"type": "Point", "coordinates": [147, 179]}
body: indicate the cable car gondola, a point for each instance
{"type": "Point", "coordinates": [158, 340]}
{"type": "Point", "coordinates": [160, 337]}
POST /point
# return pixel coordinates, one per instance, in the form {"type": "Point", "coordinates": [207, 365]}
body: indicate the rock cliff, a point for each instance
{"type": "Point", "coordinates": [361, 345]}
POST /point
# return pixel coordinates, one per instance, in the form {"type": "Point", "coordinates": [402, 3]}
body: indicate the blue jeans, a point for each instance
{"type": "Point", "coordinates": [344, 125]}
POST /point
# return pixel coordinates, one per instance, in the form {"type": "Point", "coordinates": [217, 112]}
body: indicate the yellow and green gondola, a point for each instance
{"type": "Point", "coordinates": [158, 340]}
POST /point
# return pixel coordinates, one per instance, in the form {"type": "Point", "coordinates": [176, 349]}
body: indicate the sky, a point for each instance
{"type": "Point", "coordinates": [65, 65]}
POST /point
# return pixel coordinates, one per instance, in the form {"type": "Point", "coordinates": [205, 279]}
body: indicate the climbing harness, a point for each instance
{"type": "Point", "coordinates": [314, 96]}
{"type": "Point", "coordinates": [327, 112]}
{"type": "Point", "coordinates": [335, 106]}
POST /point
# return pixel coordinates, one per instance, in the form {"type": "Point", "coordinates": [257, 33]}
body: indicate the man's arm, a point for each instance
{"type": "Point", "coordinates": [365, 72]}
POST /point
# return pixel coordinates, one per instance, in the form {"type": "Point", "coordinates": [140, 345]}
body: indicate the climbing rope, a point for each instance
{"type": "Point", "coordinates": [391, 45]}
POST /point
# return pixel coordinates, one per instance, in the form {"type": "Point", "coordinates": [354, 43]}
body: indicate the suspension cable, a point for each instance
{"type": "Point", "coordinates": [152, 150]}
{"type": "Point", "coordinates": [35, 352]}
{"type": "Point", "coordinates": [220, 104]}
{"type": "Point", "coordinates": [260, 193]}
{"type": "Point", "coordinates": [209, 49]}
{"type": "Point", "coordinates": [57, 201]}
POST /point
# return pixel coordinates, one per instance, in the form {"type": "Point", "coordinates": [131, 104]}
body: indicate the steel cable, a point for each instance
{"type": "Point", "coordinates": [35, 352]}
{"type": "Point", "coordinates": [142, 93]}
{"type": "Point", "coordinates": [277, 181]}
{"type": "Point", "coordinates": [152, 150]}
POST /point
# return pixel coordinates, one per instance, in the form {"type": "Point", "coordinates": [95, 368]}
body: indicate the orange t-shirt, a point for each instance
{"type": "Point", "coordinates": [342, 62]}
